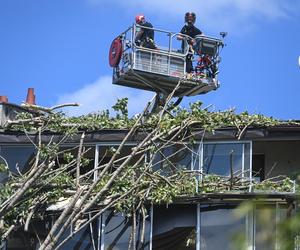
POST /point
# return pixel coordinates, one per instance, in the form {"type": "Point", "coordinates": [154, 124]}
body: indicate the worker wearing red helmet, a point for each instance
{"type": "Point", "coordinates": [145, 33]}
{"type": "Point", "coordinates": [190, 30]}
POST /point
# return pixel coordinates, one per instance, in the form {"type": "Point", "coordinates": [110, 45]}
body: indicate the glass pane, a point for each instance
{"type": "Point", "coordinates": [20, 239]}
{"type": "Point", "coordinates": [89, 165]}
{"type": "Point", "coordinates": [37, 232]}
{"type": "Point", "coordinates": [86, 238]}
{"type": "Point", "coordinates": [284, 238]}
{"type": "Point", "coordinates": [265, 227]}
{"type": "Point", "coordinates": [118, 229]}
{"type": "Point", "coordinates": [218, 158]}
{"type": "Point", "coordinates": [258, 167]}
{"type": "Point", "coordinates": [173, 158]}
{"type": "Point", "coordinates": [17, 157]}
{"type": "Point", "coordinates": [196, 157]}
{"type": "Point", "coordinates": [106, 152]}
{"type": "Point", "coordinates": [86, 169]}
{"type": "Point", "coordinates": [247, 160]}
{"type": "Point", "coordinates": [174, 228]}
{"type": "Point", "coordinates": [221, 228]}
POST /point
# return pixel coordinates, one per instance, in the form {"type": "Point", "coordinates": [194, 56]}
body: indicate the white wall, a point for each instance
{"type": "Point", "coordinates": [280, 157]}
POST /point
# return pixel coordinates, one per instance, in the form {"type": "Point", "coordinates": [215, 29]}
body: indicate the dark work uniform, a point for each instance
{"type": "Point", "coordinates": [145, 37]}
{"type": "Point", "coordinates": [191, 31]}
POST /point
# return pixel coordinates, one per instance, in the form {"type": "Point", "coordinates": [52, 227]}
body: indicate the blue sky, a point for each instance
{"type": "Point", "coordinates": [60, 47]}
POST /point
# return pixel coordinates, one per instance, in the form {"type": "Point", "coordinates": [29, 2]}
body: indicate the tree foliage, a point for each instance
{"type": "Point", "coordinates": [54, 174]}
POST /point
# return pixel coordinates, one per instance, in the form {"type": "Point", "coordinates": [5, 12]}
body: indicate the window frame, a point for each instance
{"type": "Point", "coordinates": [200, 152]}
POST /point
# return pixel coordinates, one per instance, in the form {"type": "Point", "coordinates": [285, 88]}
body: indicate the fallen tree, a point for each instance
{"type": "Point", "coordinates": [131, 186]}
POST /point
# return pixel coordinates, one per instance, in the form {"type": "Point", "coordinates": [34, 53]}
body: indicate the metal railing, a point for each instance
{"type": "Point", "coordinates": [165, 58]}
{"type": "Point", "coordinates": [168, 53]}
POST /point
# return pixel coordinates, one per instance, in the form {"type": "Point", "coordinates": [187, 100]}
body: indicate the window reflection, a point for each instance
{"type": "Point", "coordinates": [86, 238]}
{"type": "Point", "coordinates": [247, 159]}
{"type": "Point", "coordinates": [174, 228]}
{"type": "Point", "coordinates": [18, 157]}
{"type": "Point", "coordinates": [218, 158]}
{"type": "Point", "coordinates": [106, 152]}
{"type": "Point", "coordinates": [220, 226]}
{"type": "Point", "coordinates": [118, 229]}
{"type": "Point", "coordinates": [215, 158]}
{"type": "Point", "coordinates": [67, 154]}
{"type": "Point", "coordinates": [173, 158]}
{"type": "Point", "coordinates": [37, 232]}
{"type": "Point", "coordinates": [21, 240]}
{"type": "Point", "coordinates": [265, 227]}
{"type": "Point", "coordinates": [258, 167]}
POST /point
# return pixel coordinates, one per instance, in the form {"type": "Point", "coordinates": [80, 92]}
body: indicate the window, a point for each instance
{"type": "Point", "coordinates": [86, 238]}
{"type": "Point", "coordinates": [18, 158]}
{"type": "Point", "coordinates": [69, 153]}
{"type": "Point", "coordinates": [222, 158]}
{"type": "Point", "coordinates": [228, 226]}
{"type": "Point", "coordinates": [105, 152]}
{"type": "Point", "coordinates": [268, 219]}
{"type": "Point", "coordinates": [174, 227]}
{"type": "Point", "coordinates": [118, 229]}
{"type": "Point", "coordinates": [173, 158]}
{"type": "Point", "coordinates": [217, 226]}
{"type": "Point", "coordinates": [220, 226]}
{"type": "Point", "coordinates": [258, 167]}
{"type": "Point", "coordinates": [219, 158]}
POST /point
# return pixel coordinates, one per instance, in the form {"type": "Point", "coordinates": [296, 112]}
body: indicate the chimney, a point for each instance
{"type": "Point", "coordinates": [30, 99]}
{"type": "Point", "coordinates": [3, 99]}
{"type": "Point", "coordinates": [9, 111]}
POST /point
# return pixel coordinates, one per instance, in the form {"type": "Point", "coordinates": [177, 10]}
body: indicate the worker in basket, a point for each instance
{"type": "Point", "coordinates": [145, 33]}
{"type": "Point", "coordinates": [191, 31]}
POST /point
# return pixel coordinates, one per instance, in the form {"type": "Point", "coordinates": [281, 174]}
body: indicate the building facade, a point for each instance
{"type": "Point", "coordinates": [206, 220]}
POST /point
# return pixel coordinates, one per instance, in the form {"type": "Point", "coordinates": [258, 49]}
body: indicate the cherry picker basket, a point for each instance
{"type": "Point", "coordinates": [160, 68]}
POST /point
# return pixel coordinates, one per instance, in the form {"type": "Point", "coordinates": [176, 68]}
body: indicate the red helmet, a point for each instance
{"type": "Point", "coordinates": [190, 17]}
{"type": "Point", "coordinates": [139, 19]}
